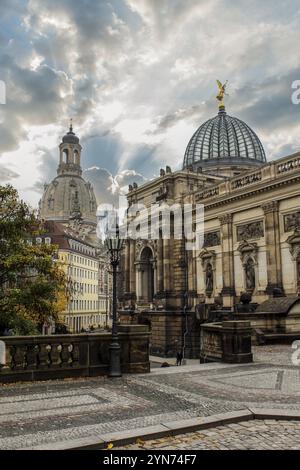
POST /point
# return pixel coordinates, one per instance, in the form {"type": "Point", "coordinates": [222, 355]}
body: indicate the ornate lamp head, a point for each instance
{"type": "Point", "coordinates": [114, 244]}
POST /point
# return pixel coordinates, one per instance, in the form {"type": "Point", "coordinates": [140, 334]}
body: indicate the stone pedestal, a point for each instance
{"type": "Point", "coordinates": [236, 341]}
{"type": "Point", "coordinates": [227, 341]}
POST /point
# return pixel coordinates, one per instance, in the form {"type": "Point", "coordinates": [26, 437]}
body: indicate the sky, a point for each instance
{"type": "Point", "coordinates": [138, 77]}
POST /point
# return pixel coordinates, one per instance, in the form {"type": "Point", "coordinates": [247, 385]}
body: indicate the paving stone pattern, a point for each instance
{"type": "Point", "coordinates": [33, 414]}
{"type": "Point", "coordinates": [246, 435]}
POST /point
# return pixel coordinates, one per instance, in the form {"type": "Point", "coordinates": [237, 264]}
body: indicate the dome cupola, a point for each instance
{"type": "Point", "coordinates": [224, 143]}
{"type": "Point", "coordinates": [69, 195]}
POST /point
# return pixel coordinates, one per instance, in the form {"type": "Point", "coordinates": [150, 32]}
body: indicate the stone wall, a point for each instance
{"type": "Point", "coordinates": [61, 356]}
{"type": "Point", "coordinates": [170, 331]}
{"type": "Point", "coordinates": [229, 341]}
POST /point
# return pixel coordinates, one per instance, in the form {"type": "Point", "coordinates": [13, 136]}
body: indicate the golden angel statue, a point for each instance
{"type": "Point", "coordinates": [220, 96]}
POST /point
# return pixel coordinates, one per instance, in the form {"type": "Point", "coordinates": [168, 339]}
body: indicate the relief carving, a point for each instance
{"type": "Point", "coordinates": [252, 230]}
{"type": "Point", "coordinates": [212, 239]}
{"type": "Point", "coordinates": [292, 222]}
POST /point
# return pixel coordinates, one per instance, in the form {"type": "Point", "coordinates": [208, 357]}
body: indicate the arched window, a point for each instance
{"type": "Point", "coordinates": [65, 156]}
{"type": "Point", "coordinates": [76, 157]}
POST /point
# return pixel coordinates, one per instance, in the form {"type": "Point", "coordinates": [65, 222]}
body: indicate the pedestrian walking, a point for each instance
{"type": "Point", "coordinates": [179, 357]}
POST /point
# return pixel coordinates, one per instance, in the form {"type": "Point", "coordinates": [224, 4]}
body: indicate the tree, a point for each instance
{"type": "Point", "coordinates": [31, 280]}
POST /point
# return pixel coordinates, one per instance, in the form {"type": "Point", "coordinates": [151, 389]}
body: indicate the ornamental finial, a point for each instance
{"type": "Point", "coordinates": [71, 125]}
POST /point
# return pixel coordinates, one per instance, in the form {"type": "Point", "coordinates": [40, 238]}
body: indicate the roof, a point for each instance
{"type": "Point", "coordinates": [61, 234]}
{"type": "Point", "coordinates": [224, 138]}
{"type": "Point", "coordinates": [278, 305]}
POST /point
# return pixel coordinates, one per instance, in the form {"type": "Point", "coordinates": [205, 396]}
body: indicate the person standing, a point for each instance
{"type": "Point", "coordinates": [179, 357]}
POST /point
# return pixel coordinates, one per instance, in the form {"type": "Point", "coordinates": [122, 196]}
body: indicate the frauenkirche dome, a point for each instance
{"type": "Point", "coordinates": [69, 195]}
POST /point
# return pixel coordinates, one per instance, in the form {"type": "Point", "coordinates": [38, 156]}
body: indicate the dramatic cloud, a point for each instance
{"type": "Point", "coordinates": [138, 77]}
{"type": "Point", "coordinates": [107, 187]}
{"type": "Point", "coordinates": [7, 175]}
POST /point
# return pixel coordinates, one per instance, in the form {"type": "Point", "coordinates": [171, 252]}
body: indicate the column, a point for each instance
{"type": "Point", "coordinates": [139, 280]}
{"type": "Point", "coordinates": [132, 282]}
{"type": "Point", "coordinates": [272, 240]}
{"type": "Point", "coordinates": [160, 270]}
{"type": "Point", "coordinates": [166, 265]}
{"type": "Point", "coordinates": [228, 291]}
{"type": "Point", "coordinates": [127, 267]}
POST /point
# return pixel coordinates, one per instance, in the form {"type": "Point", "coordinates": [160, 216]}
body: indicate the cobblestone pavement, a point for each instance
{"type": "Point", "coordinates": [246, 435]}
{"type": "Point", "coordinates": [38, 413]}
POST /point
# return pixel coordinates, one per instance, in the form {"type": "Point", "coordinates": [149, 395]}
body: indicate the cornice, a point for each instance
{"type": "Point", "coordinates": [262, 187]}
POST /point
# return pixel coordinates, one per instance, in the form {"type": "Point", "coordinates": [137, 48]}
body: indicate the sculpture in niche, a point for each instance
{"type": "Point", "coordinates": [252, 230]}
{"type": "Point", "coordinates": [248, 253]}
{"type": "Point", "coordinates": [208, 260]}
{"type": "Point", "coordinates": [250, 274]}
{"type": "Point", "coordinates": [294, 242]}
{"type": "Point", "coordinates": [209, 284]}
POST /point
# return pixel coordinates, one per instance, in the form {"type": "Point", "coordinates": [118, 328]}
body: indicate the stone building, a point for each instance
{"type": "Point", "coordinates": [68, 208]}
{"type": "Point", "coordinates": [80, 261]}
{"type": "Point", "coordinates": [251, 236]}
{"type": "Point", "coordinates": [69, 192]}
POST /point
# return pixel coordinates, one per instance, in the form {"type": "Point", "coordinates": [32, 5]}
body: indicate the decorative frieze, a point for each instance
{"type": "Point", "coordinates": [251, 230]}
{"type": "Point", "coordinates": [212, 239]}
{"type": "Point", "coordinates": [292, 222]}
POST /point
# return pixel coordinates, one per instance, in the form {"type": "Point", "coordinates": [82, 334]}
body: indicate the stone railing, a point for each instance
{"type": "Point", "coordinates": [60, 356]}
{"type": "Point", "coordinates": [288, 165]}
{"type": "Point", "coordinates": [242, 181]}
{"type": "Point", "coordinates": [207, 193]}
{"type": "Point", "coordinates": [266, 173]}
{"type": "Point", "coordinates": [229, 341]}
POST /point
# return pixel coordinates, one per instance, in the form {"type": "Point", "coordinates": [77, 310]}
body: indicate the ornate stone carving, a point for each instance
{"type": "Point", "coordinates": [270, 206]}
{"type": "Point", "coordinates": [140, 244]}
{"type": "Point", "coordinates": [163, 192]}
{"type": "Point", "coordinates": [212, 239]}
{"type": "Point", "coordinates": [208, 259]}
{"type": "Point", "coordinates": [294, 242]}
{"type": "Point", "coordinates": [251, 230]}
{"type": "Point", "coordinates": [248, 253]}
{"type": "Point", "coordinates": [225, 218]}
{"type": "Point", "coordinates": [246, 248]}
{"type": "Point", "coordinates": [292, 221]}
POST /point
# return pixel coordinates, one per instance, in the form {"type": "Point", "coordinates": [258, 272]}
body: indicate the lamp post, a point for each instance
{"type": "Point", "coordinates": [114, 246]}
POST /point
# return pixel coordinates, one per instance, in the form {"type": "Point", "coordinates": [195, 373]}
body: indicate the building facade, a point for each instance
{"type": "Point", "coordinates": [251, 240]}
{"type": "Point", "coordinates": [69, 194]}
{"type": "Point", "coordinates": [68, 209]}
{"type": "Point", "coordinates": [80, 261]}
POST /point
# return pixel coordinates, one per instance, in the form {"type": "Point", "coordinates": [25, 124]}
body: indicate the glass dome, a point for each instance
{"type": "Point", "coordinates": [224, 140]}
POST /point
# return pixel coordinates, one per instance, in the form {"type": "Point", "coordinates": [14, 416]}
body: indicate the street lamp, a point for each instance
{"type": "Point", "coordinates": [114, 246]}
